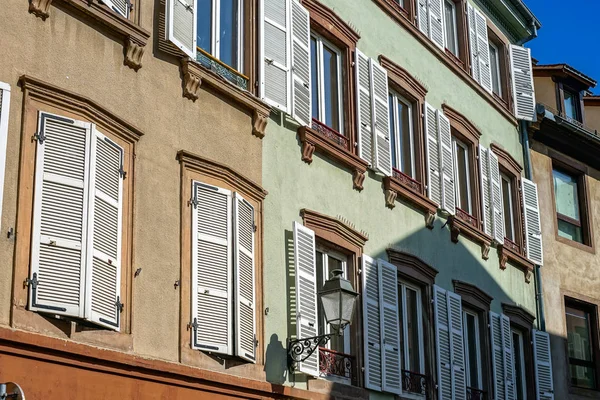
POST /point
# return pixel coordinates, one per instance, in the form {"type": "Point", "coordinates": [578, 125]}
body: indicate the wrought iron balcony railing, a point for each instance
{"type": "Point", "coordinates": [334, 363]}
{"type": "Point", "coordinates": [221, 69]}
{"type": "Point", "coordinates": [475, 394]}
{"type": "Point", "coordinates": [411, 183]}
{"type": "Point", "coordinates": [331, 134]}
{"type": "Point", "coordinates": [413, 382]}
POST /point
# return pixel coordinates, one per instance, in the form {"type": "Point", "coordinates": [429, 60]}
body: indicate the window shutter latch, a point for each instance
{"type": "Point", "coordinates": [193, 325]}
{"type": "Point", "coordinates": [122, 172]}
{"type": "Point", "coordinates": [40, 137]}
{"type": "Point", "coordinates": [193, 202]}
{"type": "Point", "coordinates": [119, 305]}
{"type": "Point", "coordinates": [32, 282]}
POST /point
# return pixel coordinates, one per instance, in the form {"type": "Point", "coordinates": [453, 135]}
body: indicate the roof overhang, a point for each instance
{"type": "Point", "coordinates": [514, 17]}
{"type": "Point", "coordinates": [565, 71]}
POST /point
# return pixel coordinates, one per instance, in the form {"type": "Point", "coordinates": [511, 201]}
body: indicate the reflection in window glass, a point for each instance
{"type": "Point", "coordinates": [314, 76]}
{"type": "Point", "coordinates": [401, 134]}
{"type": "Point", "coordinates": [519, 365]}
{"type": "Point", "coordinates": [461, 180]}
{"type": "Point", "coordinates": [571, 100]}
{"type": "Point", "coordinates": [579, 338]}
{"type": "Point", "coordinates": [411, 328]}
{"type": "Point", "coordinates": [228, 32]}
{"type": "Point", "coordinates": [330, 83]}
{"type": "Point", "coordinates": [450, 20]}
{"type": "Point", "coordinates": [509, 230]}
{"type": "Point", "coordinates": [495, 64]}
{"type": "Point", "coordinates": [204, 28]}
{"type": "Point", "coordinates": [412, 322]}
{"type": "Point", "coordinates": [326, 79]}
{"type": "Point", "coordinates": [566, 198]}
{"type": "Point", "coordinates": [472, 350]}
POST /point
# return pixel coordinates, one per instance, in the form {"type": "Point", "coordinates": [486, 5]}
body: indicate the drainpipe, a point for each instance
{"type": "Point", "coordinates": [539, 297]}
{"type": "Point", "coordinates": [530, 37]}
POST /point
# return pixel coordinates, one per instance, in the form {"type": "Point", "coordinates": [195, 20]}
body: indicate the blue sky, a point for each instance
{"type": "Point", "coordinates": [568, 34]}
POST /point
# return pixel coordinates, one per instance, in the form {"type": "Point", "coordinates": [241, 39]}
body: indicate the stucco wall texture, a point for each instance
{"type": "Point", "coordinates": [67, 52]}
{"type": "Point", "coordinates": [326, 187]}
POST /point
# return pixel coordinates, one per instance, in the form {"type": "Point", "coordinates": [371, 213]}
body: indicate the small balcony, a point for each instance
{"type": "Point", "coordinates": [329, 133]}
{"type": "Point", "coordinates": [337, 366]}
{"type": "Point", "coordinates": [414, 383]}
{"type": "Point", "coordinates": [221, 69]}
{"type": "Point", "coordinates": [476, 394]}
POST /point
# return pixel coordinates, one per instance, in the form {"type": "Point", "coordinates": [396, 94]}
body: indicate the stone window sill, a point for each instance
{"type": "Point", "coordinates": [463, 223]}
{"type": "Point", "coordinates": [410, 190]}
{"type": "Point", "coordinates": [134, 36]}
{"type": "Point", "coordinates": [510, 252]}
{"type": "Point", "coordinates": [332, 144]}
{"type": "Point", "coordinates": [196, 75]}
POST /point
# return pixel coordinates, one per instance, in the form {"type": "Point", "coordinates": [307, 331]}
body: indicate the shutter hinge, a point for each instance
{"type": "Point", "coordinates": [32, 282]}
{"type": "Point", "coordinates": [255, 341]}
{"type": "Point", "coordinates": [193, 202]}
{"type": "Point", "coordinates": [119, 305]}
{"type": "Point", "coordinates": [40, 137]}
{"type": "Point", "coordinates": [254, 227]}
{"type": "Point", "coordinates": [193, 325]}
{"type": "Point", "coordinates": [255, 83]}
{"type": "Point", "coordinates": [122, 172]}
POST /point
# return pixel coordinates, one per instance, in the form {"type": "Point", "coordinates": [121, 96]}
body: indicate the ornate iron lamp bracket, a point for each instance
{"type": "Point", "coordinates": [300, 350]}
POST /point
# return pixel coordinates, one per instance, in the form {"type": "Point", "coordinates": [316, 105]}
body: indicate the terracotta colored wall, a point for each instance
{"type": "Point", "coordinates": [545, 91]}
{"type": "Point", "coordinates": [592, 116]}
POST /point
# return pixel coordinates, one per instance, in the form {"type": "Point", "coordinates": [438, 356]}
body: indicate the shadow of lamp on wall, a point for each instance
{"type": "Point", "coordinates": [338, 299]}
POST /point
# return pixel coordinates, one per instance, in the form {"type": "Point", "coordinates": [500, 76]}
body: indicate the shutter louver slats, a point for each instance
{"type": "Point", "coordinates": [119, 6]}
{"type": "Point", "coordinates": [4, 111]}
{"type": "Point", "coordinates": [363, 107]}
{"type": "Point", "coordinates": [459, 382]}
{"type": "Point", "coordinates": [181, 25]}
{"type": "Point", "coordinates": [432, 147]}
{"type": "Point", "coordinates": [473, 43]}
{"type": "Point", "coordinates": [496, 198]}
{"type": "Point", "coordinates": [423, 17]}
{"type": "Point", "coordinates": [60, 216]}
{"type": "Point", "coordinates": [543, 365]}
{"type": "Point", "coordinates": [390, 327]}
{"type": "Point", "coordinates": [508, 358]}
{"type": "Point", "coordinates": [486, 205]}
{"type": "Point", "coordinates": [442, 339]}
{"type": "Point", "coordinates": [435, 10]}
{"type": "Point", "coordinates": [211, 268]}
{"type": "Point", "coordinates": [522, 83]}
{"type": "Point", "coordinates": [301, 90]}
{"type": "Point", "coordinates": [380, 118]}
{"type": "Point", "coordinates": [497, 356]}
{"type": "Point", "coordinates": [448, 202]}
{"type": "Point", "coordinates": [244, 278]}
{"type": "Point", "coordinates": [483, 51]}
{"type": "Point", "coordinates": [372, 324]}
{"type": "Point", "coordinates": [533, 231]}
{"type": "Point", "coordinates": [307, 324]}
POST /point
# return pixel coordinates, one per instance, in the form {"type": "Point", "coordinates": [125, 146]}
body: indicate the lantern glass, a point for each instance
{"type": "Point", "coordinates": [338, 299]}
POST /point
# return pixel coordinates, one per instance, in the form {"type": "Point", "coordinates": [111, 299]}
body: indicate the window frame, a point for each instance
{"type": "Point", "coordinates": [504, 177]}
{"type": "Point", "coordinates": [459, 145]}
{"type": "Point", "coordinates": [501, 43]}
{"type": "Point", "coordinates": [403, 286]}
{"type": "Point", "coordinates": [477, 349]}
{"type": "Point", "coordinates": [514, 331]}
{"type": "Point", "coordinates": [396, 150]}
{"type": "Point", "coordinates": [454, 27]}
{"type": "Point", "coordinates": [498, 74]}
{"type": "Point", "coordinates": [561, 88]}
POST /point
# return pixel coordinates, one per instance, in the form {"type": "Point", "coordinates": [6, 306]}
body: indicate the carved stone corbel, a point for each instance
{"type": "Point", "coordinates": [503, 259]}
{"type": "Point", "coordinates": [390, 198]}
{"type": "Point", "coordinates": [133, 54]}
{"type": "Point", "coordinates": [192, 80]}
{"type": "Point", "coordinates": [429, 219]}
{"type": "Point", "coordinates": [307, 151]}
{"type": "Point", "coordinates": [454, 233]}
{"type": "Point", "coordinates": [40, 8]}
{"type": "Point", "coordinates": [259, 123]}
{"type": "Point", "coordinates": [528, 275]}
{"type": "Point", "coordinates": [485, 251]}
{"type": "Point", "coordinates": [358, 178]}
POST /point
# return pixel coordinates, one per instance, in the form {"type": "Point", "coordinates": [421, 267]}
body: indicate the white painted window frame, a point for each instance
{"type": "Point", "coordinates": [454, 23]}
{"type": "Point", "coordinates": [456, 144]}
{"type": "Point", "coordinates": [216, 27]}
{"type": "Point", "coordinates": [499, 76]}
{"type": "Point", "coordinates": [476, 347]}
{"type": "Point", "coordinates": [320, 83]}
{"type": "Point", "coordinates": [504, 177]}
{"type": "Point", "coordinates": [396, 98]}
{"type": "Point", "coordinates": [5, 107]}
{"type": "Point", "coordinates": [403, 286]}
{"type": "Point", "coordinates": [521, 361]}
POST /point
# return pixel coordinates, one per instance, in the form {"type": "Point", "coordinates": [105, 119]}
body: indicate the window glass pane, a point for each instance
{"type": "Point", "coordinates": [450, 16]}
{"type": "Point", "coordinates": [314, 78]}
{"type": "Point", "coordinates": [508, 211]}
{"type": "Point", "coordinates": [228, 35]}
{"type": "Point", "coordinates": [404, 123]}
{"type": "Point", "coordinates": [565, 194]}
{"type": "Point", "coordinates": [580, 347]}
{"type": "Point", "coordinates": [330, 80]}
{"type": "Point", "coordinates": [320, 282]}
{"type": "Point", "coordinates": [495, 64]}
{"type": "Point", "coordinates": [518, 365]}
{"type": "Point", "coordinates": [204, 28]}
{"type": "Point", "coordinates": [462, 177]}
{"type": "Point", "coordinates": [393, 132]}
{"type": "Point", "coordinates": [400, 3]}
{"type": "Point", "coordinates": [473, 351]}
{"type": "Point", "coordinates": [402, 318]}
{"type": "Point", "coordinates": [569, 231]}
{"type": "Point", "coordinates": [412, 325]}
{"type": "Point", "coordinates": [571, 104]}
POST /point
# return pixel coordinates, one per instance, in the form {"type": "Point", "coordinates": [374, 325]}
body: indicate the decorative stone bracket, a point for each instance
{"type": "Point", "coordinates": [195, 76]}
{"type": "Point", "coordinates": [393, 187]}
{"type": "Point", "coordinates": [506, 254]}
{"type": "Point", "coordinates": [459, 227]}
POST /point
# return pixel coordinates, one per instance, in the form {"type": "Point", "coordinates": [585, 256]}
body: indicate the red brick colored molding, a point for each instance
{"type": "Point", "coordinates": [512, 255]}
{"type": "Point", "coordinates": [412, 266]}
{"type": "Point", "coordinates": [328, 227]}
{"type": "Point", "coordinates": [395, 188]}
{"type": "Point", "coordinates": [509, 160]}
{"type": "Point", "coordinates": [330, 21]}
{"type": "Point", "coordinates": [473, 295]}
{"type": "Point", "coordinates": [462, 123]}
{"type": "Point", "coordinates": [402, 77]}
{"type": "Point", "coordinates": [460, 226]}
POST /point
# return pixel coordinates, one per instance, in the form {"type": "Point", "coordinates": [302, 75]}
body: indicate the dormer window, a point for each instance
{"type": "Point", "coordinates": [571, 105]}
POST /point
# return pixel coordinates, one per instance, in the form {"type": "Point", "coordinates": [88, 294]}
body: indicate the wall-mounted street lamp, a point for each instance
{"type": "Point", "coordinates": [338, 298]}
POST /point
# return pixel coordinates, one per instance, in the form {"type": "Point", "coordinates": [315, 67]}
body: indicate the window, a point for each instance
{"type": "Point", "coordinates": [472, 350]}
{"type": "Point", "coordinates": [581, 339]}
{"type": "Point", "coordinates": [401, 134]}
{"type": "Point", "coordinates": [450, 26]}
{"type": "Point", "coordinates": [567, 200]}
{"type": "Point", "coordinates": [571, 105]}
{"type": "Point", "coordinates": [507, 203]}
{"type": "Point", "coordinates": [400, 3]}
{"type": "Point", "coordinates": [326, 75]}
{"type": "Point", "coordinates": [411, 328]}
{"type": "Point", "coordinates": [495, 69]}
{"type": "Point", "coordinates": [462, 177]}
{"type": "Point", "coordinates": [519, 364]}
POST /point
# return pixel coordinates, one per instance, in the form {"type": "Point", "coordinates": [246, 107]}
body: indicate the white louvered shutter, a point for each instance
{"type": "Point", "coordinates": [432, 147]}
{"type": "Point", "coordinates": [301, 91]}
{"type": "Point", "coordinates": [307, 324]}
{"type": "Point", "coordinates": [442, 343]}
{"type": "Point", "coordinates": [522, 82]}
{"type": "Point", "coordinates": [484, 186]}
{"type": "Point", "coordinates": [244, 270]}
{"type": "Point", "coordinates": [371, 323]}
{"type": "Point", "coordinates": [181, 16]}
{"type": "Point", "coordinates": [4, 110]}
{"type": "Point", "coordinates": [435, 11]}
{"type": "Point", "coordinates": [473, 44]}
{"type": "Point", "coordinates": [381, 119]}
{"type": "Point", "coordinates": [509, 370]}
{"type": "Point", "coordinates": [119, 6]}
{"type": "Point", "coordinates": [497, 356]}
{"type": "Point", "coordinates": [533, 229]}
{"type": "Point", "coordinates": [211, 269]}
{"type": "Point", "coordinates": [495, 183]}
{"type": "Point", "coordinates": [483, 52]}
{"type": "Point", "coordinates": [448, 202]}
{"type": "Point", "coordinates": [363, 107]}
{"type": "Point", "coordinates": [103, 275]}
{"type": "Point", "coordinates": [275, 72]}
{"type": "Point", "coordinates": [543, 365]}
{"type": "Point", "coordinates": [423, 17]}
{"type": "Point", "coordinates": [390, 327]}
{"type": "Point", "coordinates": [457, 349]}
{"type": "Point", "coordinates": [60, 216]}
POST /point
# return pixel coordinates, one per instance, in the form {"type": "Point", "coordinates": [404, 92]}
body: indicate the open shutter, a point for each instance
{"type": "Point", "coordinates": [60, 216]}
{"type": "Point", "coordinates": [497, 356]}
{"type": "Point", "coordinates": [381, 118]}
{"type": "Point", "coordinates": [448, 202]}
{"type": "Point", "coordinates": [432, 147]}
{"type": "Point", "coordinates": [423, 17]}
{"type": "Point", "coordinates": [211, 269]}
{"type": "Point", "coordinates": [484, 187]}
{"type": "Point", "coordinates": [522, 82]}
{"type": "Point", "coordinates": [181, 25]}
{"type": "Point", "coordinates": [103, 275]}
{"type": "Point", "coordinates": [496, 198]}
{"type": "Point", "coordinates": [509, 370]}
{"type": "Point", "coordinates": [473, 44]}
{"type": "Point", "coordinates": [371, 323]}
{"type": "Point", "coordinates": [435, 12]}
{"type": "Point", "coordinates": [363, 107]}
{"type": "Point", "coordinates": [390, 327]}
{"type": "Point", "coordinates": [301, 92]}
{"type": "Point", "coordinates": [275, 71]}
{"type": "Point", "coordinates": [4, 109]}
{"type": "Point", "coordinates": [483, 51]}
{"type": "Point", "coordinates": [442, 343]}
{"type": "Point", "coordinates": [457, 350]}
{"type": "Point", "coordinates": [533, 230]}
{"type": "Point", "coordinates": [307, 324]}
{"type": "Point", "coordinates": [243, 214]}
{"type": "Point", "coordinates": [543, 365]}
{"type": "Point", "coordinates": [119, 6]}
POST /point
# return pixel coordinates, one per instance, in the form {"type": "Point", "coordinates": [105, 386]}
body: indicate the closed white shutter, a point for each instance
{"type": "Point", "coordinates": [390, 327]}
{"type": "Point", "coordinates": [496, 343]}
{"type": "Point", "coordinates": [533, 229]}
{"type": "Point", "coordinates": [181, 25]}
{"type": "Point", "coordinates": [245, 309]}
{"type": "Point", "coordinates": [432, 147]}
{"type": "Point", "coordinates": [509, 369]}
{"type": "Point", "coordinates": [543, 365]}
{"type": "Point", "coordinates": [435, 12]}
{"type": "Point", "coordinates": [103, 275]}
{"type": "Point", "coordinates": [301, 81]}
{"type": "Point", "coordinates": [442, 343]}
{"type": "Point", "coordinates": [423, 17]}
{"type": "Point", "coordinates": [484, 186]}
{"type": "Point", "coordinates": [496, 198]}
{"type": "Point", "coordinates": [4, 109]}
{"type": "Point", "coordinates": [211, 269]}
{"type": "Point", "coordinates": [119, 6]}
{"type": "Point", "coordinates": [307, 324]}
{"type": "Point", "coordinates": [446, 164]}
{"type": "Point", "coordinates": [381, 118]}
{"type": "Point", "coordinates": [275, 54]}
{"type": "Point", "coordinates": [473, 44]}
{"type": "Point", "coordinates": [457, 349]}
{"type": "Point", "coordinates": [363, 107]}
{"type": "Point", "coordinates": [371, 323]}
{"type": "Point", "coordinates": [483, 52]}
{"type": "Point", "coordinates": [60, 216]}
{"type": "Point", "coordinates": [522, 82]}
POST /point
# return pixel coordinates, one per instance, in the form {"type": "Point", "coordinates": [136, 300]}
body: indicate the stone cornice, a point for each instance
{"type": "Point", "coordinates": [509, 160]}
{"type": "Point", "coordinates": [330, 21]}
{"type": "Point", "coordinates": [402, 76]}
{"type": "Point", "coordinates": [406, 260]}
{"type": "Point", "coordinates": [460, 121]}
{"type": "Point", "coordinates": [472, 294]}
{"type": "Point", "coordinates": [335, 226]}
{"type": "Point", "coordinates": [518, 315]}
